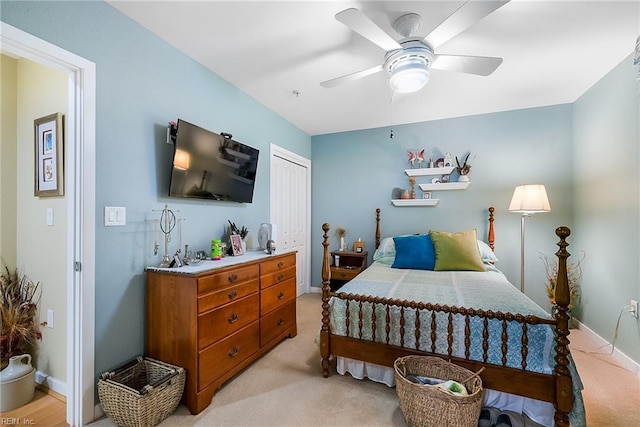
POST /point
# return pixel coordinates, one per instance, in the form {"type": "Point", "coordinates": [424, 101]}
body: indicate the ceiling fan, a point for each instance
{"type": "Point", "coordinates": [409, 60]}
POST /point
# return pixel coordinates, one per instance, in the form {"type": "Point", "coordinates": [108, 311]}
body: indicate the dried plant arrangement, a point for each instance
{"type": "Point", "coordinates": [574, 275]}
{"type": "Point", "coordinates": [19, 298]}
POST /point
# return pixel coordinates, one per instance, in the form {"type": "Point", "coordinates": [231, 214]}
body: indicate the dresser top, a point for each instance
{"type": "Point", "coordinates": [228, 261]}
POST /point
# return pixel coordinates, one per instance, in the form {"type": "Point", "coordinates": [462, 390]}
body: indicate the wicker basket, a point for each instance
{"type": "Point", "coordinates": [141, 393]}
{"type": "Point", "coordinates": [424, 405]}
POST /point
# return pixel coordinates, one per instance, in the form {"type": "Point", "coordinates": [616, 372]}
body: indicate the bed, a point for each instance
{"type": "Point", "coordinates": [475, 319]}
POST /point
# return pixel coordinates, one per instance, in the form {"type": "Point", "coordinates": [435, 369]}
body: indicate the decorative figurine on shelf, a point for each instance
{"type": "Point", "coordinates": [412, 181]}
{"type": "Point", "coordinates": [448, 161]}
{"type": "Point", "coordinates": [464, 169]}
{"type": "Point", "coordinates": [420, 158]}
{"type": "Point", "coordinates": [412, 158]}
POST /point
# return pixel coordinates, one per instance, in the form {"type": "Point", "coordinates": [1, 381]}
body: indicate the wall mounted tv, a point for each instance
{"type": "Point", "coordinates": [207, 165]}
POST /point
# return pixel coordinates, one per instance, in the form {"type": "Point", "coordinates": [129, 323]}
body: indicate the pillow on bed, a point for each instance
{"type": "Point", "coordinates": [487, 255]}
{"type": "Point", "coordinates": [386, 252]}
{"type": "Point", "coordinates": [457, 251]}
{"type": "Point", "coordinates": [415, 252]}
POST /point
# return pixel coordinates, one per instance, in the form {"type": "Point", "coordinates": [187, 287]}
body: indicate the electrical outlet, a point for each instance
{"type": "Point", "coordinates": [634, 308]}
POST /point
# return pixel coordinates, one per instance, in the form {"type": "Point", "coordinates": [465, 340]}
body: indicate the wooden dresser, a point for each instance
{"type": "Point", "coordinates": [216, 319]}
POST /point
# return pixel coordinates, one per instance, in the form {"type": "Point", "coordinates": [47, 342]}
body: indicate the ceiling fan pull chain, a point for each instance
{"type": "Point", "coordinates": [391, 113]}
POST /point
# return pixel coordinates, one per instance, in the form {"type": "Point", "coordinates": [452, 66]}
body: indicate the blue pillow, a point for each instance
{"type": "Point", "coordinates": [415, 252]}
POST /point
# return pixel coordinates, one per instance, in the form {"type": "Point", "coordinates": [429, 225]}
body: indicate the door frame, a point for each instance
{"type": "Point", "coordinates": [80, 245]}
{"type": "Point", "coordinates": [277, 151]}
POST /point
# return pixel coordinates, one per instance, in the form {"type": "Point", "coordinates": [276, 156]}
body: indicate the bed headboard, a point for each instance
{"type": "Point", "coordinates": [491, 236]}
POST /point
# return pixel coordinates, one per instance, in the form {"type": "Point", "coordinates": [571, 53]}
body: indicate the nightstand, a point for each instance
{"type": "Point", "coordinates": [345, 265]}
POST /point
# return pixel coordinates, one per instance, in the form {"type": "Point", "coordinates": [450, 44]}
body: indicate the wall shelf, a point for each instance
{"type": "Point", "coordinates": [415, 202]}
{"type": "Point", "coordinates": [445, 186]}
{"type": "Point", "coordinates": [429, 171]}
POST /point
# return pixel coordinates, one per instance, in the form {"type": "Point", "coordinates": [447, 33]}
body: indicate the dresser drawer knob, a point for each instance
{"type": "Point", "coordinates": [233, 318]}
{"type": "Point", "coordinates": [280, 276]}
{"type": "Point", "coordinates": [280, 322]}
{"type": "Point", "coordinates": [280, 264]}
{"type": "Point", "coordinates": [234, 351]}
{"type": "Point", "coordinates": [232, 294]}
{"type": "Point", "coordinates": [233, 278]}
{"type": "Point", "coordinates": [281, 295]}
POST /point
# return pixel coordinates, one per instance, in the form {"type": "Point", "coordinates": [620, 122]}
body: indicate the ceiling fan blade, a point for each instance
{"type": "Point", "coordinates": [351, 77]}
{"type": "Point", "coordinates": [464, 17]}
{"type": "Point", "coordinates": [362, 25]}
{"type": "Point", "coordinates": [480, 65]}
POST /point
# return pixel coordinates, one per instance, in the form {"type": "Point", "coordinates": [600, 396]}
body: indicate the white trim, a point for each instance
{"type": "Point", "coordinates": [51, 383]}
{"type": "Point", "coordinates": [277, 151]}
{"type": "Point", "coordinates": [624, 360]}
{"type": "Point", "coordinates": [80, 176]}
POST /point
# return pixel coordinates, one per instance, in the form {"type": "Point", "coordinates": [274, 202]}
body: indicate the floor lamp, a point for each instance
{"type": "Point", "coordinates": [527, 200]}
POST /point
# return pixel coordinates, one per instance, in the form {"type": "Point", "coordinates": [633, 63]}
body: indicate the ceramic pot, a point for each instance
{"type": "Point", "coordinates": [17, 383]}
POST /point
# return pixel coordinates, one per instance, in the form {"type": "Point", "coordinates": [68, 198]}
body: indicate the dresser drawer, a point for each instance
{"type": "Point", "coordinates": [273, 324]}
{"type": "Point", "coordinates": [270, 279]}
{"type": "Point", "coordinates": [217, 298]}
{"type": "Point", "coordinates": [226, 354]}
{"type": "Point", "coordinates": [227, 278]}
{"type": "Point", "coordinates": [277, 296]}
{"type": "Point", "coordinates": [278, 264]}
{"type": "Point", "coordinates": [225, 320]}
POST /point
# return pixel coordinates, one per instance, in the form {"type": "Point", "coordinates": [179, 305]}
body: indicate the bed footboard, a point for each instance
{"type": "Point", "coordinates": [376, 347]}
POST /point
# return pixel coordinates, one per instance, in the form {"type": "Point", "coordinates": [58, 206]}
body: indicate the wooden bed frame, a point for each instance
{"type": "Point", "coordinates": [555, 388]}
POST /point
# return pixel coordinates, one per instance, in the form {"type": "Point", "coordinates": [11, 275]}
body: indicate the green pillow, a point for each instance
{"type": "Point", "coordinates": [457, 251]}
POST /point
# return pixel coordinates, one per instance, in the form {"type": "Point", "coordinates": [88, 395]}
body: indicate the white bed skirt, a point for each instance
{"type": "Point", "coordinates": [540, 412]}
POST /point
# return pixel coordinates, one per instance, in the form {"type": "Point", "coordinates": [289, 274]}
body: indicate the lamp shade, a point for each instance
{"type": "Point", "coordinates": [530, 198]}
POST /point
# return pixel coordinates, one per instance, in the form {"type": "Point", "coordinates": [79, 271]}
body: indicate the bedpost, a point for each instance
{"type": "Point", "coordinates": [377, 228]}
{"type": "Point", "coordinates": [564, 392]}
{"type": "Point", "coordinates": [325, 350]}
{"type": "Point", "coordinates": [491, 238]}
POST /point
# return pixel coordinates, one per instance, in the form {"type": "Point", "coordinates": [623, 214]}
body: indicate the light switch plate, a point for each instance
{"type": "Point", "coordinates": [114, 216]}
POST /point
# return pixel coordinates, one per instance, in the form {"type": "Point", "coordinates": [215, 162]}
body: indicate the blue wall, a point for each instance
{"type": "Point", "coordinates": [354, 173]}
{"type": "Point", "coordinates": [607, 203]}
{"type": "Point", "coordinates": [142, 84]}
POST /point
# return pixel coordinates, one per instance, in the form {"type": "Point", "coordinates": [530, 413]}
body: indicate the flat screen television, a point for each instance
{"type": "Point", "coordinates": [207, 165]}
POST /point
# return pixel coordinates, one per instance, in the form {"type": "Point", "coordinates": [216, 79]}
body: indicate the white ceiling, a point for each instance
{"type": "Point", "coordinates": [553, 52]}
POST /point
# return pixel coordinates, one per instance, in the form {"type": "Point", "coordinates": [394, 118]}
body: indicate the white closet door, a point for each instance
{"type": "Point", "coordinates": [289, 212]}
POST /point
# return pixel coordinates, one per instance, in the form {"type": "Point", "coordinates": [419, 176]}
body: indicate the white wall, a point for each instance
{"type": "Point", "coordinates": [8, 156]}
{"type": "Point", "coordinates": [41, 249]}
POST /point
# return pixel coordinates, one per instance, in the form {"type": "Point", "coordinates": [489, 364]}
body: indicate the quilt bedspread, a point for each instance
{"type": "Point", "coordinates": [488, 290]}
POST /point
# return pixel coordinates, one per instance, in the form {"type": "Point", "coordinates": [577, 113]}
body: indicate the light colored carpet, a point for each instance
{"type": "Point", "coordinates": [286, 388]}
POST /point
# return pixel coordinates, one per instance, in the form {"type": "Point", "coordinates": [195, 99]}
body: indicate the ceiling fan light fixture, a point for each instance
{"type": "Point", "coordinates": [409, 77]}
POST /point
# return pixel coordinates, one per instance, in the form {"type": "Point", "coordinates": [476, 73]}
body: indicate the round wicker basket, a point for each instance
{"type": "Point", "coordinates": [424, 405]}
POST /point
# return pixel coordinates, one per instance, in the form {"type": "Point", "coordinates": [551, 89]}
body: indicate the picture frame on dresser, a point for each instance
{"type": "Point", "coordinates": [236, 245]}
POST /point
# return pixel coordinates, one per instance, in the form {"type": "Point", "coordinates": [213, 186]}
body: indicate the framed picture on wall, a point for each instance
{"type": "Point", "coordinates": [49, 156]}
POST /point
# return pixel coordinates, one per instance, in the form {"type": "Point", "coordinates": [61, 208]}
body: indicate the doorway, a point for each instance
{"type": "Point", "coordinates": [290, 200]}
{"type": "Point", "coordinates": [80, 194]}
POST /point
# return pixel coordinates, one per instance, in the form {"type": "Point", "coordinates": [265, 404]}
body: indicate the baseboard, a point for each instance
{"type": "Point", "coordinates": [624, 360]}
{"type": "Point", "coordinates": [51, 383]}
{"type": "Point", "coordinates": [315, 290]}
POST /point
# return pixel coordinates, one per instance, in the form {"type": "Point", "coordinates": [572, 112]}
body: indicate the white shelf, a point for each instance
{"type": "Point", "coordinates": [415, 202]}
{"type": "Point", "coordinates": [429, 171]}
{"type": "Point", "coordinates": [445, 186]}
